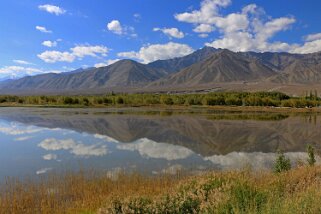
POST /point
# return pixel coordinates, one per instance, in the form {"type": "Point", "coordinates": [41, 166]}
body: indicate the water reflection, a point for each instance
{"type": "Point", "coordinates": [41, 140]}
{"type": "Point", "coordinates": [76, 148]}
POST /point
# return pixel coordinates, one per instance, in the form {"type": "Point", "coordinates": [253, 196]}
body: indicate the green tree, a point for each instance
{"type": "Point", "coordinates": [311, 157]}
{"type": "Point", "coordinates": [282, 163]}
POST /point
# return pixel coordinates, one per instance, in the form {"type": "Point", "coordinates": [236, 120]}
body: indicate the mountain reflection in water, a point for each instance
{"type": "Point", "coordinates": [39, 140]}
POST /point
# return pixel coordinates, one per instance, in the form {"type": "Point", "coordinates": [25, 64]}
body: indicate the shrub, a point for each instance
{"type": "Point", "coordinates": [282, 163]}
{"type": "Point", "coordinates": [167, 100]}
{"type": "Point", "coordinates": [99, 101]}
{"type": "Point", "coordinates": [179, 100]}
{"type": "Point", "coordinates": [211, 185]}
{"type": "Point", "coordinates": [233, 101]}
{"type": "Point", "coordinates": [107, 101]}
{"type": "Point", "coordinates": [117, 207]}
{"type": "Point", "coordinates": [311, 157]}
{"type": "Point", "coordinates": [244, 198]}
{"type": "Point", "coordinates": [68, 100]}
{"type": "Point", "coordinates": [85, 101]}
{"type": "Point", "coordinates": [152, 100]}
{"type": "Point", "coordinates": [190, 101]}
{"type": "Point", "coordinates": [140, 205]}
{"type": "Point", "coordinates": [76, 101]}
{"type": "Point", "coordinates": [190, 205]}
{"type": "Point", "coordinates": [208, 99]}
{"type": "Point", "coordinates": [119, 100]}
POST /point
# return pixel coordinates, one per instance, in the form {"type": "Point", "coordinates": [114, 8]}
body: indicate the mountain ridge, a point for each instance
{"type": "Point", "coordinates": [206, 67]}
{"type": "Point", "coordinates": [222, 66]}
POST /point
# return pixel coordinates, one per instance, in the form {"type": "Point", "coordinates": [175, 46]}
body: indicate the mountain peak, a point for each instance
{"type": "Point", "coordinates": [128, 62]}
{"type": "Point", "coordinates": [176, 64]}
{"type": "Point", "coordinates": [208, 48]}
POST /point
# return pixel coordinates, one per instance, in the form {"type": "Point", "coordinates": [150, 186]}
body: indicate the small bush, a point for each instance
{"type": "Point", "coordinates": [282, 163]}
{"type": "Point", "coordinates": [167, 100]}
{"type": "Point", "coordinates": [117, 207]}
{"type": "Point", "coordinates": [244, 199]}
{"type": "Point", "coordinates": [120, 100]}
{"type": "Point", "coordinates": [86, 101]}
{"type": "Point", "coordinates": [140, 205]}
{"type": "Point", "coordinates": [311, 157]}
{"type": "Point", "coordinates": [210, 186]}
{"type": "Point", "coordinates": [190, 205]}
{"type": "Point", "coordinates": [107, 101]}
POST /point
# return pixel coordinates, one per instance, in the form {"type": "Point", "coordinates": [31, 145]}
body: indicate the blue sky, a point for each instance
{"type": "Point", "coordinates": [57, 36]}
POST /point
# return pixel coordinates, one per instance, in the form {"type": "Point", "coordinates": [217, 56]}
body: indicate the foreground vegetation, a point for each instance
{"type": "Point", "coordinates": [293, 191]}
{"type": "Point", "coordinates": [275, 99]}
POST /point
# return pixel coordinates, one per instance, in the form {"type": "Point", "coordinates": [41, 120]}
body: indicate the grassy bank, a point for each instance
{"type": "Point", "coordinates": [294, 191]}
{"type": "Point", "coordinates": [259, 99]}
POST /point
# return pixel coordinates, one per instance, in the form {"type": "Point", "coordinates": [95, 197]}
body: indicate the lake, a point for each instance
{"type": "Point", "coordinates": [35, 141]}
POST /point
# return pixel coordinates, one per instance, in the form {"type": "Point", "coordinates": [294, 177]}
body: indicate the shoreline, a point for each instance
{"type": "Point", "coordinates": [177, 107]}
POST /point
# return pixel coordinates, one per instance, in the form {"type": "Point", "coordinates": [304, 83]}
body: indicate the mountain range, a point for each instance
{"type": "Point", "coordinates": [207, 69]}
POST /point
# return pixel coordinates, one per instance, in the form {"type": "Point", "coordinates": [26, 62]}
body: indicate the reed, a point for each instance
{"type": "Point", "coordinates": [294, 191]}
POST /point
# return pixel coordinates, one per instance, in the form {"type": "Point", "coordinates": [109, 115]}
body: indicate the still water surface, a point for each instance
{"type": "Point", "coordinates": [35, 141]}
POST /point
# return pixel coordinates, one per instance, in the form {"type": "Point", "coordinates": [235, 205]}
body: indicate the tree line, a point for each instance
{"type": "Point", "coordinates": [276, 99]}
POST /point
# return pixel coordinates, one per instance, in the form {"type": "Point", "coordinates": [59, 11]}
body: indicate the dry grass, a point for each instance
{"type": "Point", "coordinates": [295, 191]}
{"type": "Point", "coordinates": [82, 192]}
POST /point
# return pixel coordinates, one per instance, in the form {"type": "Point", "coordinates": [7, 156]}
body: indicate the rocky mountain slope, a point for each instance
{"type": "Point", "coordinates": [176, 64]}
{"type": "Point", "coordinates": [223, 66]}
{"type": "Point", "coordinates": [206, 67]}
{"type": "Point", "coordinates": [123, 73]}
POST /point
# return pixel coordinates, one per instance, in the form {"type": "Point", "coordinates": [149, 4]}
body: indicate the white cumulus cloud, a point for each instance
{"type": "Point", "coordinates": [248, 30]}
{"type": "Point", "coordinates": [115, 27]}
{"type": "Point", "coordinates": [313, 37]}
{"type": "Point", "coordinates": [17, 71]}
{"type": "Point", "coordinates": [77, 52]}
{"type": "Point", "coordinates": [56, 56]}
{"type": "Point", "coordinates": [43, 29]}
{"type": "Point", "coordinates": [203, 28]}
{"type": "Point", "coordinates": [307, 47]}
{"type": "Point", "coordinates": [171, 32]}
{"type": "Point", "coordinates": [14, 72]}
{"type": "Point", "coordinates": [207, 14]}
{"type": "Point", "coordinates": [49, 44]}
{"type": "Point", "coordinates": [158, 51]}
{"type": "Point", "coordinates": [52, 9]}
{"type": "Point", "coordinates": [86, 50]}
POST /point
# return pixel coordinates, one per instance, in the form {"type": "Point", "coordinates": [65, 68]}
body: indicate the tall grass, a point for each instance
{"type": "Point", "coordinates": [294, 191]}
{"type": "Point", "coordinates": [81, 192]}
